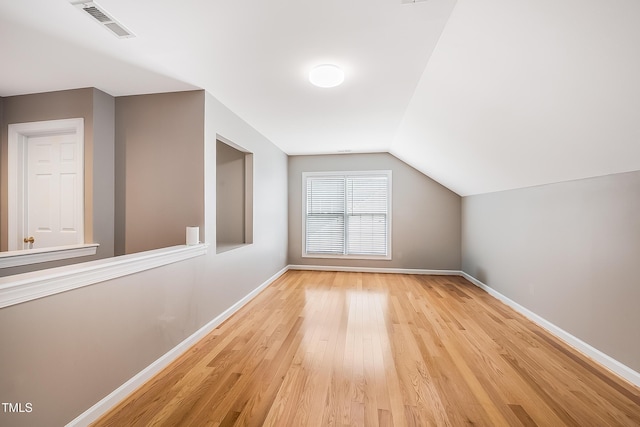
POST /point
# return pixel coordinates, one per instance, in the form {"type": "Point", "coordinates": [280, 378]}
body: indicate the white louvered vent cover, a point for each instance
{"type": "Point", "coordinates": [107, 21]}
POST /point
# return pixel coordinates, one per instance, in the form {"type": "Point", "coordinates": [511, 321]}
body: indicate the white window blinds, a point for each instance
{"type": "Point", "coordinates": [325, 215]}
{"type": "Point", "coordinates": [347, 214]}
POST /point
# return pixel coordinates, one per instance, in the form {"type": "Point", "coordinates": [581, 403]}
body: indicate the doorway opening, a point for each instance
{"type": "Point", "coordinates": [46, 184]}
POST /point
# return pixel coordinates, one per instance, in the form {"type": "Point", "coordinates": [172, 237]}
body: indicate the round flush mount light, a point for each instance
{"type": "Point", "coordinates": [326, 75]}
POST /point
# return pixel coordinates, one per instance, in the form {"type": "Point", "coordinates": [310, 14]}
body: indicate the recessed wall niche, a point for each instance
{"type": "Point", "coordinates": [234, 196]}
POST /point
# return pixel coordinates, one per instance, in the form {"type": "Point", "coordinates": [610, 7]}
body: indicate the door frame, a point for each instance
{"type": "Point", "coordinates": [18, 135]}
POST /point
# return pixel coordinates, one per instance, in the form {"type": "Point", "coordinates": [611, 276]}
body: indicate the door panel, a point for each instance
{"type": "Point", "coordinates": [68, 190]}
{"type": "Point", "coordinates": [53, 173]}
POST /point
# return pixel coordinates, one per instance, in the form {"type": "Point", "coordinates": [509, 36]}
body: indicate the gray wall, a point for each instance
{"type": "Point", "coordinates": [235, 273]}
{"type": "Point", "coordinates": [426, 216]}
{"type": "Point", "coordinates": [102, 198]}
{"type": "Point", "coordinates": [159, 169]}
{"type": "Point", "coordinates": [97, 109]}
{"type": "Point", "coordinates": [568, 252]}
{"type": "Point", "coordinates": [65, 352]}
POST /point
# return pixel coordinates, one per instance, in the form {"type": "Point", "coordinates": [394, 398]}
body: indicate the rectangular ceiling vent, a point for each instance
{"type": "Point", "coordinates": [102, 17]}
{"type": "Point", "coordinates": [411, 1]}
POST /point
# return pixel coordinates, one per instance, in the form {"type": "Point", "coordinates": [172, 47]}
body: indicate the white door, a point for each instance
{"type": "Point", "coordinates": [54, 175]}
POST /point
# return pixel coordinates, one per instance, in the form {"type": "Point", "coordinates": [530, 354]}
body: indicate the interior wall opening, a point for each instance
{"type": "Point", "coordinates": [234, 196]}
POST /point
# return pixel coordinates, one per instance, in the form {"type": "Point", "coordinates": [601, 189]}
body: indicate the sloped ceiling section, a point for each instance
{"type": "Point", "coordinates": [524, 93]}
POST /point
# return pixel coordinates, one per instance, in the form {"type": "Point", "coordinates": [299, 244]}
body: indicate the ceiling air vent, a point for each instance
{"type": "Point", "coordinates": [102, 17]}
{"type": "Point", "coordinates": [411, 1]}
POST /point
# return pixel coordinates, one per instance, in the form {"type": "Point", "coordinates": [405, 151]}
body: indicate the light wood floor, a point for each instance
{"type": "Point", "coordinates": [324, 348]}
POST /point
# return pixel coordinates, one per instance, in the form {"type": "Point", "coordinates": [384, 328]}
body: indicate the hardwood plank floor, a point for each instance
{"type": "Point", "coordinates": [364, 349]}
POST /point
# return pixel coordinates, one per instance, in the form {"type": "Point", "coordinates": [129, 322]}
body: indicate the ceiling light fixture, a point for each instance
{"type": "Point", "coordinates": [326, 75]}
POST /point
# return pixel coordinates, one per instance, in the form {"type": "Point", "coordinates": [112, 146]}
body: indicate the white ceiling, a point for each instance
{"type": "Point", "coordinates": [481, 95]}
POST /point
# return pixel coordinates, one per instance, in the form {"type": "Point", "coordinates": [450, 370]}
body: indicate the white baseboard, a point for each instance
{"type": "Point", "coordinates": [375, 270]}
{"type": "Point", "coordinates": [115, 397]}
{"type": "Point", "coordinates": [603, 359]}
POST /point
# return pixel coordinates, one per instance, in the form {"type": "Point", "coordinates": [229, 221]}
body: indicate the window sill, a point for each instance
{"type": "Point", "coordinates": [34, 256]}
{"type": "Point", "coordinates": [38, 284]}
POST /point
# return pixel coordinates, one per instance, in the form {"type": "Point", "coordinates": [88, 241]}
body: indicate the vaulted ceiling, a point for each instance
{"type": "Point", "coordinates": [481, 95]}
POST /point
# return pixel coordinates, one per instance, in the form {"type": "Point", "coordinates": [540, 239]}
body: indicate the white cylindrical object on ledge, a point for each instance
{"type": "Point", "coordinates": [193, 236]}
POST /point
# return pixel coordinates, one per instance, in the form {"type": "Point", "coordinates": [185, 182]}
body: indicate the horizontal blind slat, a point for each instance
{"type": "Point", "coordinates": [325, 195]}
{"type": "Point", "coordinates": [325, 234]}
{"type": "Point", "coordinates": [367, 235]}
{"type": "Point", "coordinates": [367, 194]}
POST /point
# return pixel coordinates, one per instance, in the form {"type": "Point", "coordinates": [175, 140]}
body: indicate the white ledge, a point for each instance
{"type": "Point", "coordinates": [34, 256]}
{"type": "Point", "coordinates": [38, 284]}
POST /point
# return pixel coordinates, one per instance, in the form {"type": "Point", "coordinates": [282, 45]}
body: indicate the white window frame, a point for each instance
{"type": "Point", "coordinates": [305, 175]}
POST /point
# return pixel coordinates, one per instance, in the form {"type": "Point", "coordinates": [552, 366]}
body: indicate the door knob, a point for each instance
{"type": "Point", "coordinates": [29, 240]}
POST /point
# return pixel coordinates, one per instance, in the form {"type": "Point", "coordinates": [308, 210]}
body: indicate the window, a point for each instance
{"type": "Point", "coordinates": [347, 214]}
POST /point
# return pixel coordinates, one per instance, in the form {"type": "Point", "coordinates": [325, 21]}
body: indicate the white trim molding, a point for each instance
{"type": "Point", "coordinates": [591, 352]}
{"type": "Point", "coordinates": [101, 407]}
{"type": "Point", "coordinates": [35, 256]}
{"type": "Point", "coordinates": [375, 270]}
{"type": "Point", "coordinates": [603, 359]}
{"type": "Point", "coordinates": [93, 413]}
{"type": "Point", "coordinates": [38, 284]}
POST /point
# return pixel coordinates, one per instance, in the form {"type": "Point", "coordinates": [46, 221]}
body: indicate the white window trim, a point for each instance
{"type": "Point", "coordinates": [387, 257]}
